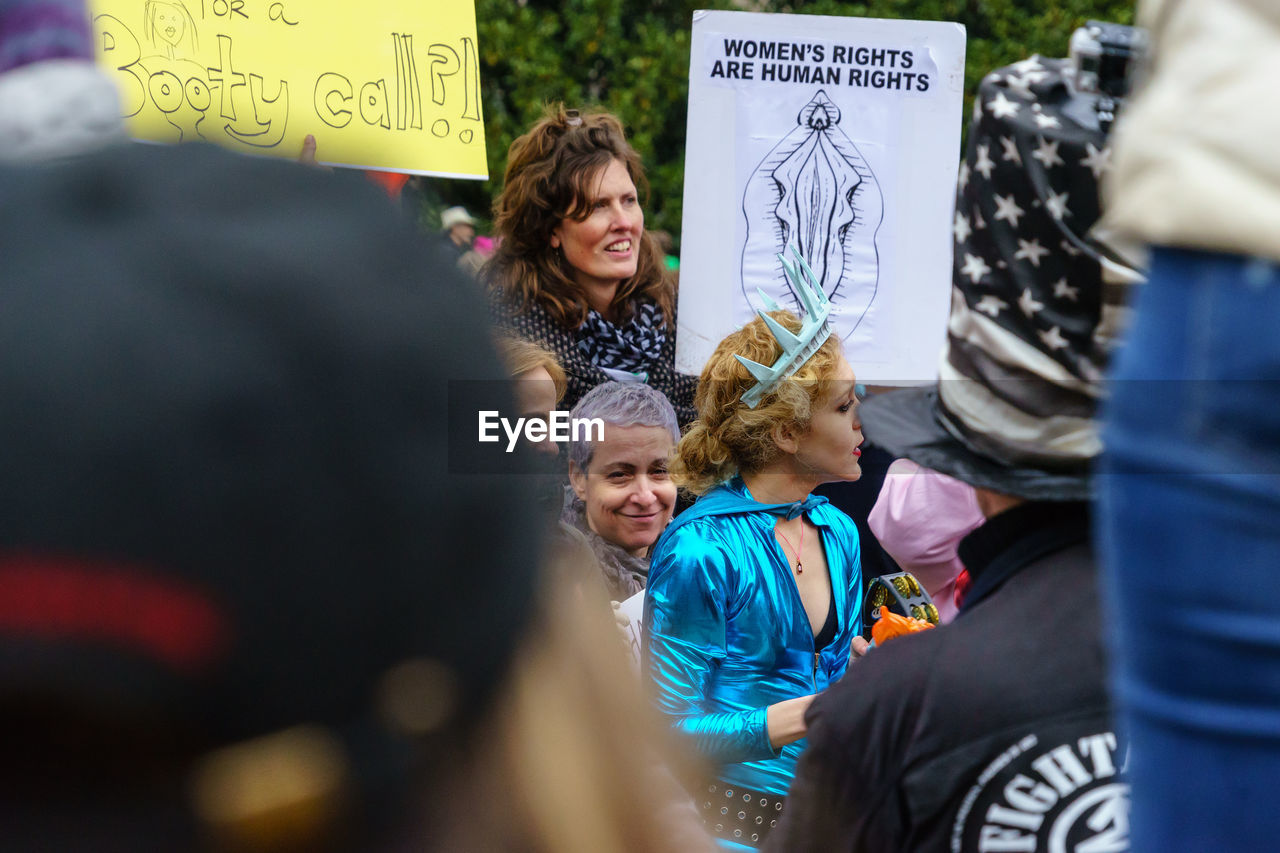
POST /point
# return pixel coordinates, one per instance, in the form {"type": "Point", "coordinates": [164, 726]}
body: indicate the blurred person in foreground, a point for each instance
{"type": "Point", "coordinates": [572, 758]}
{"type": "Point", "coordinates": [232, 540]}
{"type": "Point", "coordinates": [235, 608]}
{"type": "Point", "coordinates": [621, 495]}
{"type": "Point", "coordinates": [755, 592]}
{"type": "Point", "coordinates": [1190, 485]}
{"type": "Point", "coordinates": [574, 270]}
{"type": "Point", "coordinates": [994, 732]}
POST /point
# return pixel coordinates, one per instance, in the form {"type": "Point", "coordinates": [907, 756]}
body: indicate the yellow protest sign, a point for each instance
{"type": "Point", "coordinates": [389, 86]}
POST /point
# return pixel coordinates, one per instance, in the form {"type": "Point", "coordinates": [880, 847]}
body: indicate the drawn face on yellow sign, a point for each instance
{"type": "Point", "coordinates": [168, 24]}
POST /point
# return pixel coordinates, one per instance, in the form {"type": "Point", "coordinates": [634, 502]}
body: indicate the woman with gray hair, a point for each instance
{"type": "Point", "coordinates": [621, 495]}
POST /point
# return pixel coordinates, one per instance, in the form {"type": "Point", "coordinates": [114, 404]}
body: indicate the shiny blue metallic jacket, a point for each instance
{"type": "Point", "coordinates": [727, 635]}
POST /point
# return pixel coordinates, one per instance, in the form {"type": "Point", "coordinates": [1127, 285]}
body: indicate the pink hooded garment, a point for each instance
{"type": "Point", "coordinates": [920, 518]}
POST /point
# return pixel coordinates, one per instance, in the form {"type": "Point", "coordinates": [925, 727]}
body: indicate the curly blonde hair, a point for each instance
{"type": "Point", "coordinates": [550, 174]}
{"type": "Point", "coordinates": [729, 437]}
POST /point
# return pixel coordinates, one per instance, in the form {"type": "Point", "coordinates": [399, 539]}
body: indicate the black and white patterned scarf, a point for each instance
{"type": "Point", "coordinates": [631, 347]}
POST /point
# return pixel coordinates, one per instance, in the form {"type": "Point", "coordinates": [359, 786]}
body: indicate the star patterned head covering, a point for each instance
{"type": "Point", "coordinates": [1031, 320]}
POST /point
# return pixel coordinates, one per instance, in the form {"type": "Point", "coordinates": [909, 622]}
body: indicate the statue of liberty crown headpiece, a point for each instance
{"type": "Point", "coordinates": [796, 348]}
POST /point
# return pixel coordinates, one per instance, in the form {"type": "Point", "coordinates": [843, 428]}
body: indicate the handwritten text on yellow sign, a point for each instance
{"type": "Point", "coordinates": [388, 88]}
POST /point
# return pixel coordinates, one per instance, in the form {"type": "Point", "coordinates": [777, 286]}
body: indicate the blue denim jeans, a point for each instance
{"type": "Point", "coordinates": [1189, 531]}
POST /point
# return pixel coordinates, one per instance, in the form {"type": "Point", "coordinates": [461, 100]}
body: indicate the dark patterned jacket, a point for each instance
{"type": "Point", "coordinates": [990, 733]}
{"type": "Point", "coordinates": [537, 325]}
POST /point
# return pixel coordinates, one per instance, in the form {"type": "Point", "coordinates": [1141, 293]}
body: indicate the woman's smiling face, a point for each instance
{"type": "Point", "coordinates": [628, 492]}
{"type": "Point", "coordinates": [603, 248]}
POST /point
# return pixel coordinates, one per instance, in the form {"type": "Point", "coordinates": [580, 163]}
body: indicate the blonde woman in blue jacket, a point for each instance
{"type": "Point", "coordinates": [755, 592]}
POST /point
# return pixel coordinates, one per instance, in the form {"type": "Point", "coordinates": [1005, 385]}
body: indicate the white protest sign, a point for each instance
{"type": "Point", "coordinates": [836, 136]}
{"type": "Point", "coordinates": [632, 612]}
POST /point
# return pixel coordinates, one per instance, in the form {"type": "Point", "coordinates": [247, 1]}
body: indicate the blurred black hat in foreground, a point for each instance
{"type": "Point", "coordinates": [227, 511]}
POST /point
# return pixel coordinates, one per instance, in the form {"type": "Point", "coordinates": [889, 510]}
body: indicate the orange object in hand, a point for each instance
{"type": "Point", "coordinates": [891, 625]}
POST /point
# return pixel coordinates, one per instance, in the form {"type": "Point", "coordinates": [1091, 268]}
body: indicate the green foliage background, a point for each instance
{"type": "Point", "coordinates": [632, 57]}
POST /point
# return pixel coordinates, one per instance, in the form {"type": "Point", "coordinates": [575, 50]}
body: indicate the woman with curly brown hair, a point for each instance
{"type": "Point", "coordinates": [755, 591]}
{"type": "Point", "coordinates": [575, 271]}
